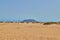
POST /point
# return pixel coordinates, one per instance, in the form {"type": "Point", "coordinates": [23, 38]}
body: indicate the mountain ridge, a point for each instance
{"type": "Point", "coordinates": [29, 20]}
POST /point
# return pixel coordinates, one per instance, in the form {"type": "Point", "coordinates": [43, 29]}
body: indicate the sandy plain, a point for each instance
{"type": "Point", "coordinates": [31, 31]}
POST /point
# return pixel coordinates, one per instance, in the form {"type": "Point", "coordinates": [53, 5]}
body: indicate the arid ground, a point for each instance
{"type": "Point", "coordinates": [31, 31]}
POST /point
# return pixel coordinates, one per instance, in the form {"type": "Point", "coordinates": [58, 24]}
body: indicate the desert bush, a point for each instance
{"type": "Point", "coordinates": [27, 22]}
{"type": "Point", "coordinates": [21, 22]}
{"type": "Point", "coordinates": [9, 22]}
{"type": "Point", "coordinates": [46, 24]}
{"type": "Point", "coordinates": [1, 21]}
{"type": "Point", "coordinates": [33, 22]}
{"type": "Point", "coordinates": [58, 22]}
{"type": "Point", "coordinates": [37, 22]}
{"type": "Point", "coordinates": [49, 23]}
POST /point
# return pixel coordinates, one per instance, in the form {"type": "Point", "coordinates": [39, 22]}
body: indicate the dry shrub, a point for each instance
{"type": "Point", "coordinates": [27, 22]}
{"type": "Point", "coordinates": [21, 22]}
{"type": "Point", "coordinates": [49, 23]}
{"type": "Point", "coordinates": [37, 22]}
{"type": "Point", "coordinates": [1, 21]}
{"type": "Point", "coordinates": [9, 22]}
{"type": "Point", "coordinates": [58, 23]}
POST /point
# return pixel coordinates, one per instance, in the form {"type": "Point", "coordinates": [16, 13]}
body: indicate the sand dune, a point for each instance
{"type": "Point", "coordinates": [23, 31]}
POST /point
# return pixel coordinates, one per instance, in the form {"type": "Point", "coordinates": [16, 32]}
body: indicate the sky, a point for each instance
{"type": "Point", "coordinates": [40, 10]}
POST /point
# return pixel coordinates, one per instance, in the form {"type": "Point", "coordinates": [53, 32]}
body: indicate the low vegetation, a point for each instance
{"type": "Point", "coordinates": [1, 21]}
{"type": "Point", "coordinates": [44, 23]}
{"type": "Point", "coordinates": [49, 23]}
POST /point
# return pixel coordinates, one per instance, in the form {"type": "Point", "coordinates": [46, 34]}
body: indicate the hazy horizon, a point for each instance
{"type": "Point", "coordinates": [40, 10]}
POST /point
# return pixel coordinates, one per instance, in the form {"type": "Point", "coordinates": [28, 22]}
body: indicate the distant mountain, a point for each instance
{"type": "Point", "coordinates": [29, 20]}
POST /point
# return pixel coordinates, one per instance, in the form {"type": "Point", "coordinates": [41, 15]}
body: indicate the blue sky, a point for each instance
{"type": "Point", "coordinates": [40, 10]}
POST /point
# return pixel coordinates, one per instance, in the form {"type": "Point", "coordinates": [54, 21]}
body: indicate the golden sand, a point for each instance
{"type": "Point", "coordinates": [23, 31]}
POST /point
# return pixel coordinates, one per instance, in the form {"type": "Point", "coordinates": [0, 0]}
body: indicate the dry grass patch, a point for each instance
{"type": "Point", "coordinates": [24, 31]}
